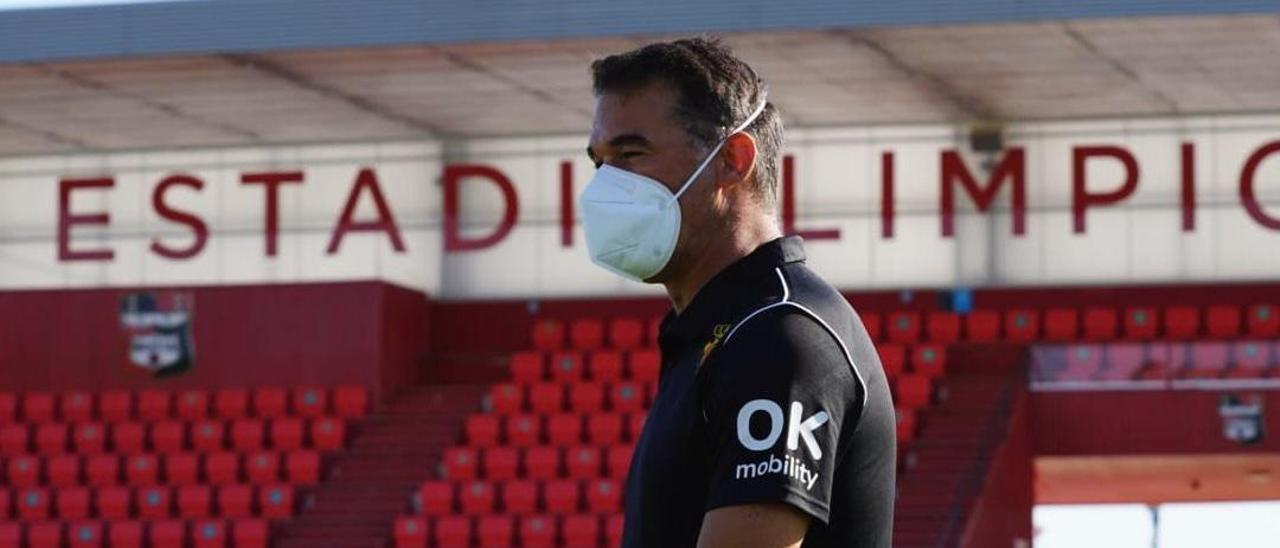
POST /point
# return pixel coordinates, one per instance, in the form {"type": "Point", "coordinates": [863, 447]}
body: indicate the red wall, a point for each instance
{"type": "Point", "coordinates": [368, 333]}
{"type": "Point", "coordinates": [1002, 511]}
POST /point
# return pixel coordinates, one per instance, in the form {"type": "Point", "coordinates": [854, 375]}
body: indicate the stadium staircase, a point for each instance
{"type": "Point", "coordinates": [389, 458]}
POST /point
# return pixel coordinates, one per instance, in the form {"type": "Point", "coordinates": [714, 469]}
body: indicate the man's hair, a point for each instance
{"type": "Point", "coordinates": [717, 91]}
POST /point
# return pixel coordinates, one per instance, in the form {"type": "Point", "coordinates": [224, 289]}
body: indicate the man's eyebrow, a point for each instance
{"type": "Point", "coordinates": [626, 139]}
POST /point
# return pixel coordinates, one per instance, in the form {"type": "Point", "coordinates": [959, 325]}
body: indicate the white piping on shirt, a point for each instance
{"type": "Point", "coordinates": [786, 301]}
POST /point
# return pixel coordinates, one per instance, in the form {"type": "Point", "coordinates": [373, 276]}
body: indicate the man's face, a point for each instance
{"type": "Point", "coordinates": [638, 132]}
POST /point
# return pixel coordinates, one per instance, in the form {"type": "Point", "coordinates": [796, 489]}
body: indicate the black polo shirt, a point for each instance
{"type": "Point", "coordinates": [770, 391]}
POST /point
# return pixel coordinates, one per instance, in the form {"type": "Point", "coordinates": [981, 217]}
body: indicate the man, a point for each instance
{"type": "Point", "coordinates": [773, 424]}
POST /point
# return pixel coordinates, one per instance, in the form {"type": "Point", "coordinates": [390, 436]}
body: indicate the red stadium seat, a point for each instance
{"type": "Point", "coordinates": [115, 406]}
{"type": "Point", "coordinates": [520, 497]}
{"type": "Point", "coordinates": [904, 327]}
{"type": "Point", "coordinates": [23, 470]}
{"type": "Point", "coordinates": [15, 439]}
{"type": "Point", "coordinates": [1122, 361]}
{"type": "Point", "coordinates": [104, 470]}
{"type": "Point", "coordinates": [636, 425]}
{"type": "Point", "coordinates": [566, 367]}
{"type": "Point", "coordinates": [63, 470]}
{"type": "Point", "coordinates": [604, 496]}
{"type": "Point", "coordinates": [195, 501]}
{"type": "Point", "coordinates": [501, 463]}
{"type": "Point", "coordinates": [154, 405]}
{"type": "Point", "coordinates": [586, 334]}
{"type": "Point", "coordinates": [482, 429]}
{"type": "Point", "coordinates": [495, 531]}
{"type": "Point", "coordinates": [929, 359]}
{"type": "Point", "coordinates": [943, 327]}
{"type": "Point", "coordinates": [310, 401]}
{"type": "Point", "coordinates": [248, 434]}
{"type": "Point", "coordinates": [209, 533]}
{"type": "Point", "coordinates": [1021, 326]}
{"type": "Point", "coordinates": [328, 434]}
{"type": "Point", "coordinates": [561, 496]}
{"type": "Point", "coordinates": [605, 366]}
{"type": "Point", "coordinates": [182, 469]}
{"type": "Point", "coordinates": [154, 502]}
{"type": "Point", "coordinates": [586, 397]}
{"type": "Point", "coordinates": [302, 467]}
{"type": "Point", "coordinates": [6, 505]}
{"type": "Point", "coordinates": [193, 404]}
{"type": "Point", "coordinates": [893, 357]}
{"type": "Point", "coordinates": [604, 428]}
{"type": "Point", "coordinates": [626, 397]}
{"type": "Point", "coordinates": [411, 532]}
{"type": "Point", "coordinates": [618, 459]}
{"type": "Point", "coordinates": [140, 470]}
{"type": "Point", "coordinates": [235, 501]}
{"type": "Point", "coordinates": [275, 501]}
{"type": "Point", "coordinates": [10, 534]}
{"type": "Point", "coordinates": [460, 463]}
{"type": "Point", "coordinates": [1262, 320]}
{"type": "Point", "coordinates": [581, 531]}
{"type": "Point", "coordinates": [208, 435]}
{"type": "Point", "coordinates": [32, 504]}
{"type": "Point", "coordinates": [1209, 360]}
{"type": "Point", "coordinates": [654, 329]}
{"type": "Point", "coordinates": [523, 430]}
{"type": "Point", "coordinates": [89, 438]}
{"type": "Point", "coordinates": [906, 424]}
{"type": "Point", "coordinates": [914, 391]}
{"type": "Point", "coordinates": [46, 534]}
{"type": "Point", "coordinates": [527, 367]}
{"type": "Point", "coordinates": [169, 533]}
{"type": "Point", "coordinates": [124, 534]}
{"type": "Point", "coordinates": [871, 321]}
{"type": "Point", "coordinates": [222, 468]}
{"type": "Point", "coordinates": [1100, 324]}
{"type": "Point", "coordinates": [1083, 362]}
{"type": "Point", "coordinates": [270, 402]}
{"type": "Point", "coordinates": [1181, 323]}
{"type": "Point", "coordinates": [231, 403]}
{"type": "Point", "coordinates": [542, 462]}
{"type": "Point", "coordinates": [626, 333]}
{"type": "Point", "coordinates": [564, 429]}
{"type": "Point", "coordinates": [436, 498]}
{"type": "Point", "coordinates": [114, 503]}
{"type": "Point", "coordinates": [452, 532]}
{"type": "Point", "coordinates": [350, 401]}
{"type": "Point", "coordinates": [548, 334]}
{"type": "Point", "coordinates": [76, 406]}
{"type": "Point", "coordinates": [506, 398]}
{"type": "Point", "coordinates": [249, 533]}
{"type": "Point", "coordinates": [982, 326]}
{"type": "Point", "coordinates": [73, 503]}
{"type": "Point", "coordinates": [37, 407]}
{"type": "Point", "coordinates": [546, 397]}
{"type": "Point", "coordinates": [168, 436]}
{"type": "Point", "coordinates": [1061, 324]}
{"type": "Point", "coordinates": [128, 437]}
{"type": "Point", "coordinates": [1252, 359]}
{"type": "Point", "coordinates": [287, 434]}
{"type": "Point", "coordinates": [1222, 321]}
{"type": "Point", "coordinates": [262, 467]}
{"type": "Point", "coordinates": [583, 462]}
{"type": "Point", "coordinates": [51, 438]}
{"type": "Point", "coordinates": [8, 407]}
{"type": "Point", "coordinates": [85, 534]}
{"type": "Point", "coordinates": [538, 531]}
{"type": "Point", "coordinates": [644, 365]}
{"type": "Point", "coordinates": [1140, 323]}
{"type": "Point", "coordinates": [476, 497]}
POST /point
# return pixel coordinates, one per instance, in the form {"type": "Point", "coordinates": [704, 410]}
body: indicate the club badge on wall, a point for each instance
{"type": "Point", "coordinates": [159, 326]}
{"type": "Point", "coordinates": [1241, 418]}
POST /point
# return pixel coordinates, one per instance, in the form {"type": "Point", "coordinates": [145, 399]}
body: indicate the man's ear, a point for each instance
{"type": "Point", "coordinates": [737, 159]}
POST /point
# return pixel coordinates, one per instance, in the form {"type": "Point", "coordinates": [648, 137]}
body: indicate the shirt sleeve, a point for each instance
{"type": "Point", "coordinates": [776, 397]}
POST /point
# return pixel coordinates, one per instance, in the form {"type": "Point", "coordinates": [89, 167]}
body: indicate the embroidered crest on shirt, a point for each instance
{"type": "Point", "coordinates": [717, 335]}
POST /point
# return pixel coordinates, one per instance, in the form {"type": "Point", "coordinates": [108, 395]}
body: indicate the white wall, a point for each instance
{"type": "Point", "coordinates": [837, 186]}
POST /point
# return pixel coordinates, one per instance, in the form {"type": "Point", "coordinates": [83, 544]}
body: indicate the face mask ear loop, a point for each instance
{"type": "Point", "coordinates": [714, 152]}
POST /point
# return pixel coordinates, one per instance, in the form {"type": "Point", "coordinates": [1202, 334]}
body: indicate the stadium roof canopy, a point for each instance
{"type": "Point", "coordinates": [166, 74]}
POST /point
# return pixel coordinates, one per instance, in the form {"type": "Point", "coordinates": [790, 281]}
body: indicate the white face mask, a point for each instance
{"type": "Point", "coordinates": [632, 222]}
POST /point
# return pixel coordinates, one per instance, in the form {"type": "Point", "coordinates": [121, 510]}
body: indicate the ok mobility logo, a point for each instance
{"type": "Point", "coordinates": [797, 430]}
